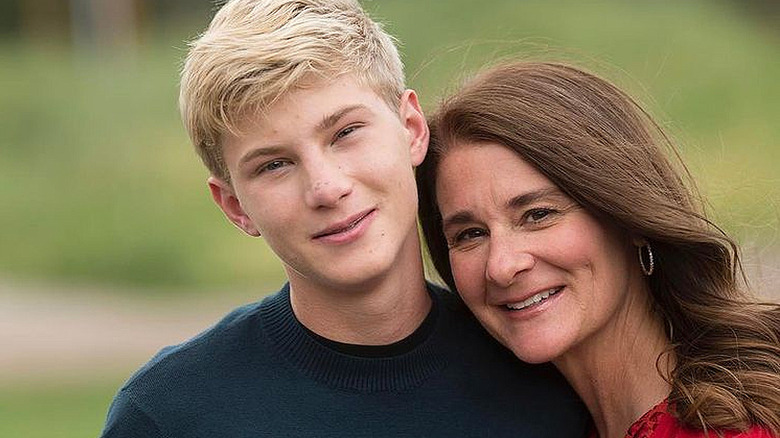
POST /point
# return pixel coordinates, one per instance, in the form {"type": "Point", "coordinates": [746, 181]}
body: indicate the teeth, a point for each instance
{"type": "Point", "coordinates": [354, 224]}
{"type": "Point", "coordinates": [348, 227]}
{"type": "Point", "coordinates": [541, 296]}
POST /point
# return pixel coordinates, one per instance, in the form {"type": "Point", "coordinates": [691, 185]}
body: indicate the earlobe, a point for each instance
{"type": "Point", "coordinates": [228, 202]}
{"type": "Point", "coordinates": [417, 128]}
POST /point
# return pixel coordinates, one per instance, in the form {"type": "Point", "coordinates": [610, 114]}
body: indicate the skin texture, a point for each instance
{"type": "Point", "coordinates": [326, 176]}
{"type": "Point", "coordinates": [505, 253]}
{"type": "Point", "coordinates": [512, 235]}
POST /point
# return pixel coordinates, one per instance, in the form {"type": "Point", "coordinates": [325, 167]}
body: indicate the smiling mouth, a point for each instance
{"type": "Point", "coordinates": [343, 228]}
{"type": "Point", "coordinates": [531, 301]}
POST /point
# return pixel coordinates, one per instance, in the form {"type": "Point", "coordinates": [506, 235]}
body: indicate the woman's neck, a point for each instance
{"type": "Point", "coordinates": [614, 371]}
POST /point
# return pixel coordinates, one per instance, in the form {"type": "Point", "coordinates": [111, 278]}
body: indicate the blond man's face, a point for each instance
{"type": "Point", "coordinates": [326, 177]}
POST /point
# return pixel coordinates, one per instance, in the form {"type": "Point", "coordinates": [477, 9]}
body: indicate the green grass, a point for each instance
{"type": "Point", "coordinates": [99, 184]}
{"type": "Point", "coordinates": [56, 411]}
{"type": "Point", "coordinates": [102, 183]}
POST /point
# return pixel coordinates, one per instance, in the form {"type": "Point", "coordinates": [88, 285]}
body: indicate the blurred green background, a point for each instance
{"type": "Point", "coordinates": [105, 214]}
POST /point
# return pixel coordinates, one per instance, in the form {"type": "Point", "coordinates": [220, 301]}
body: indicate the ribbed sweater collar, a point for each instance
{"type": "Point", "coordinates": [396, 373]}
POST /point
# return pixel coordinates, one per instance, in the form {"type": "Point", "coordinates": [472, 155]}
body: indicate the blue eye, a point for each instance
{"type": "Point", "coordinates": [272, 165]}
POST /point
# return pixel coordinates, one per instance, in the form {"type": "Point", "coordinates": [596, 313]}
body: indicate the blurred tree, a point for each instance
{"type": "Point", "coordinates": [765, 11]}
{"type": "Point", "coordinates": [89, 25]}
{"type": "Point", "coordinates": [98, 24]}
{"type": "Point", "coordinates": [9, 13]}
{"type": "Point", "coordinates": [93, 24]}
{"type": "Point", "coordinates": [43, 21]}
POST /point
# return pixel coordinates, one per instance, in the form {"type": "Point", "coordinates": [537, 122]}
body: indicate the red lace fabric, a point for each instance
{"type": "Point", "coordinates": [646, 425]}
{"type": "Point", "coordinates": [659, 423]}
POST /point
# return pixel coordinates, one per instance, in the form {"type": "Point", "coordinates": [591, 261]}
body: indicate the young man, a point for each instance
{"type": "Point", "coordinates": [299, 111]}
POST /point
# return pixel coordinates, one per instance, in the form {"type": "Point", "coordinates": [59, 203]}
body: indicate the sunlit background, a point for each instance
{"type": "Point", "coordinates": [111, 247]}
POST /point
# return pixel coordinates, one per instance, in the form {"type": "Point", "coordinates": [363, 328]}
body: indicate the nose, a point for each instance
{"type": "Point", "coordinates": [327, 184]}
{"type": "Point", "coordinates": [507, 260]}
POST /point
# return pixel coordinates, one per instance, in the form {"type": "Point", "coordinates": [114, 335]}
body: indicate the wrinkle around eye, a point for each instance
{"type": "Point", "coordinates": [552, 215]}
{"type": "Point", "coordinates": [467, 239]}
{"type": "Point", "coordinates": [539, 215]}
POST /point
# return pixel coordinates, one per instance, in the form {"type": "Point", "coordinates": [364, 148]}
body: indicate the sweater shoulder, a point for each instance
{"type": "Point", "coordinates": [219, 343]}
{"type": "Point", "coordinates": [183, 381]}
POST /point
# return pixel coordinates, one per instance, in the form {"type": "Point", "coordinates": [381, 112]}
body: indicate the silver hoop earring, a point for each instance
{"type": "Point", "coordinates": [650, 266]}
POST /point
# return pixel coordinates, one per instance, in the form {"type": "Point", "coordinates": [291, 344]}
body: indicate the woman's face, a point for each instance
{"type": "Point", "coordinates": [540, 273]}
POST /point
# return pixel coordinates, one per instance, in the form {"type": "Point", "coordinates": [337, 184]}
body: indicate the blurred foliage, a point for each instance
{"type": "Point", "coordinates": [15, 14]}
{"type": "Point", "coordinates": [99, 183]}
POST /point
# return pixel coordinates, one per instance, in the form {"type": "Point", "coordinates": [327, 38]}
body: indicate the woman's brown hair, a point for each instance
{"type": "Point", "coordinates": [604, 151]}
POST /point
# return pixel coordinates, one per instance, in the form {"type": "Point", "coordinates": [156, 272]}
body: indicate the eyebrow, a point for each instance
{"type": "Point", "coordinates": [259, 152]}
{"type": "Point", "coordinates": [326, 123]}
{"type": "Point", "coordinates": [531, 197]}
{"type": "Point", "coordinates": [463, 216]}
{"type": "Point", "coordinates": [330, 120]}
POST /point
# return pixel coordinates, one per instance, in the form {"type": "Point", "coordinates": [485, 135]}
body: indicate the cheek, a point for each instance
{"type": "Point", "coordinates": [599, 262]}
{"type": "Point", "coordinates": [383, 172]}
{"type": "Point", "coordinates": [284, 214]}
{"type": "Point", "coordinates": [577, 247]}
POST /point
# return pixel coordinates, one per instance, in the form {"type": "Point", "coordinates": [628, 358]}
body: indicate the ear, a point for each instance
{"type": "Point", "coordinates": [225, 197]}
{"type": "Point", "coordinates": [413, 119]}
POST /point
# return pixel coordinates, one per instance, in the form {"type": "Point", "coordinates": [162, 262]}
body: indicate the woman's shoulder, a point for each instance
{"type": "Point", "coordinates": [659, 423]}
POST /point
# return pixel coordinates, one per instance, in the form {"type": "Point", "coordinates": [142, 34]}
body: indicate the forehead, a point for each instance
{"type": "Point", "coordinates": [313, 99]}
{"type": "Point", "coordinates": [302, 111]}
{"type": "Point", "coordinates": [471, 171]}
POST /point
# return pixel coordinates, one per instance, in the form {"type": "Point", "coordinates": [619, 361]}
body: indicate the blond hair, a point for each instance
{"type": "Point", "coordinates": [254, 51]}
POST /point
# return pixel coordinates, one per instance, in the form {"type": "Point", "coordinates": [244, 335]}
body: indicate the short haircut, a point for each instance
{"type": "Point", "coordinates": [255, 51]}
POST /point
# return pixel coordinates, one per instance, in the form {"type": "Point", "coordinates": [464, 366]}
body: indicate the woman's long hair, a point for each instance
{"type": "Point", "coordinates": [599, 147]}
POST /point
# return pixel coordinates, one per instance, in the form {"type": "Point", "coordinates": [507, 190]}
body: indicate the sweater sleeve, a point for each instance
{"type": "Point", "coordinates": [126, 419]}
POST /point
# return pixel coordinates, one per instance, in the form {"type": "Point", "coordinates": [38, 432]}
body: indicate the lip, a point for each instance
{"type": "Point", "coordinates": [346, 230]}
{"type": "Point", "coordinates": [535, 307]}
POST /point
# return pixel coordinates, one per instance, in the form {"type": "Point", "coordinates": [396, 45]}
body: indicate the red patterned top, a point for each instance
{"type": "Point", "coordinates": [659, 423]}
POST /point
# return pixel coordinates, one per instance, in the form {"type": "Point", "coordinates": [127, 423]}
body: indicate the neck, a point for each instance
{"type": "Point", "coordinates": [614, 371]}
{"type": "Point", "coordinates": [381, 311]}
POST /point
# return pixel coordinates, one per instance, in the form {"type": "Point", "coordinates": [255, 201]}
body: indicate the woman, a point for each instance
{"type": "Point", "coordinates": [548, 203]}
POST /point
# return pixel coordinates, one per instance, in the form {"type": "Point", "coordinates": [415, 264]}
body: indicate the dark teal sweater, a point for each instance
{"type": "Point", "coordinates": [260, 373]}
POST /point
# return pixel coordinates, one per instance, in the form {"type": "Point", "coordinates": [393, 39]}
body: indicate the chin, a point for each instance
{"type": "Point", "coordinates": [535, 353]}
{"type": "Point", "coordinates": [532, 358]}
